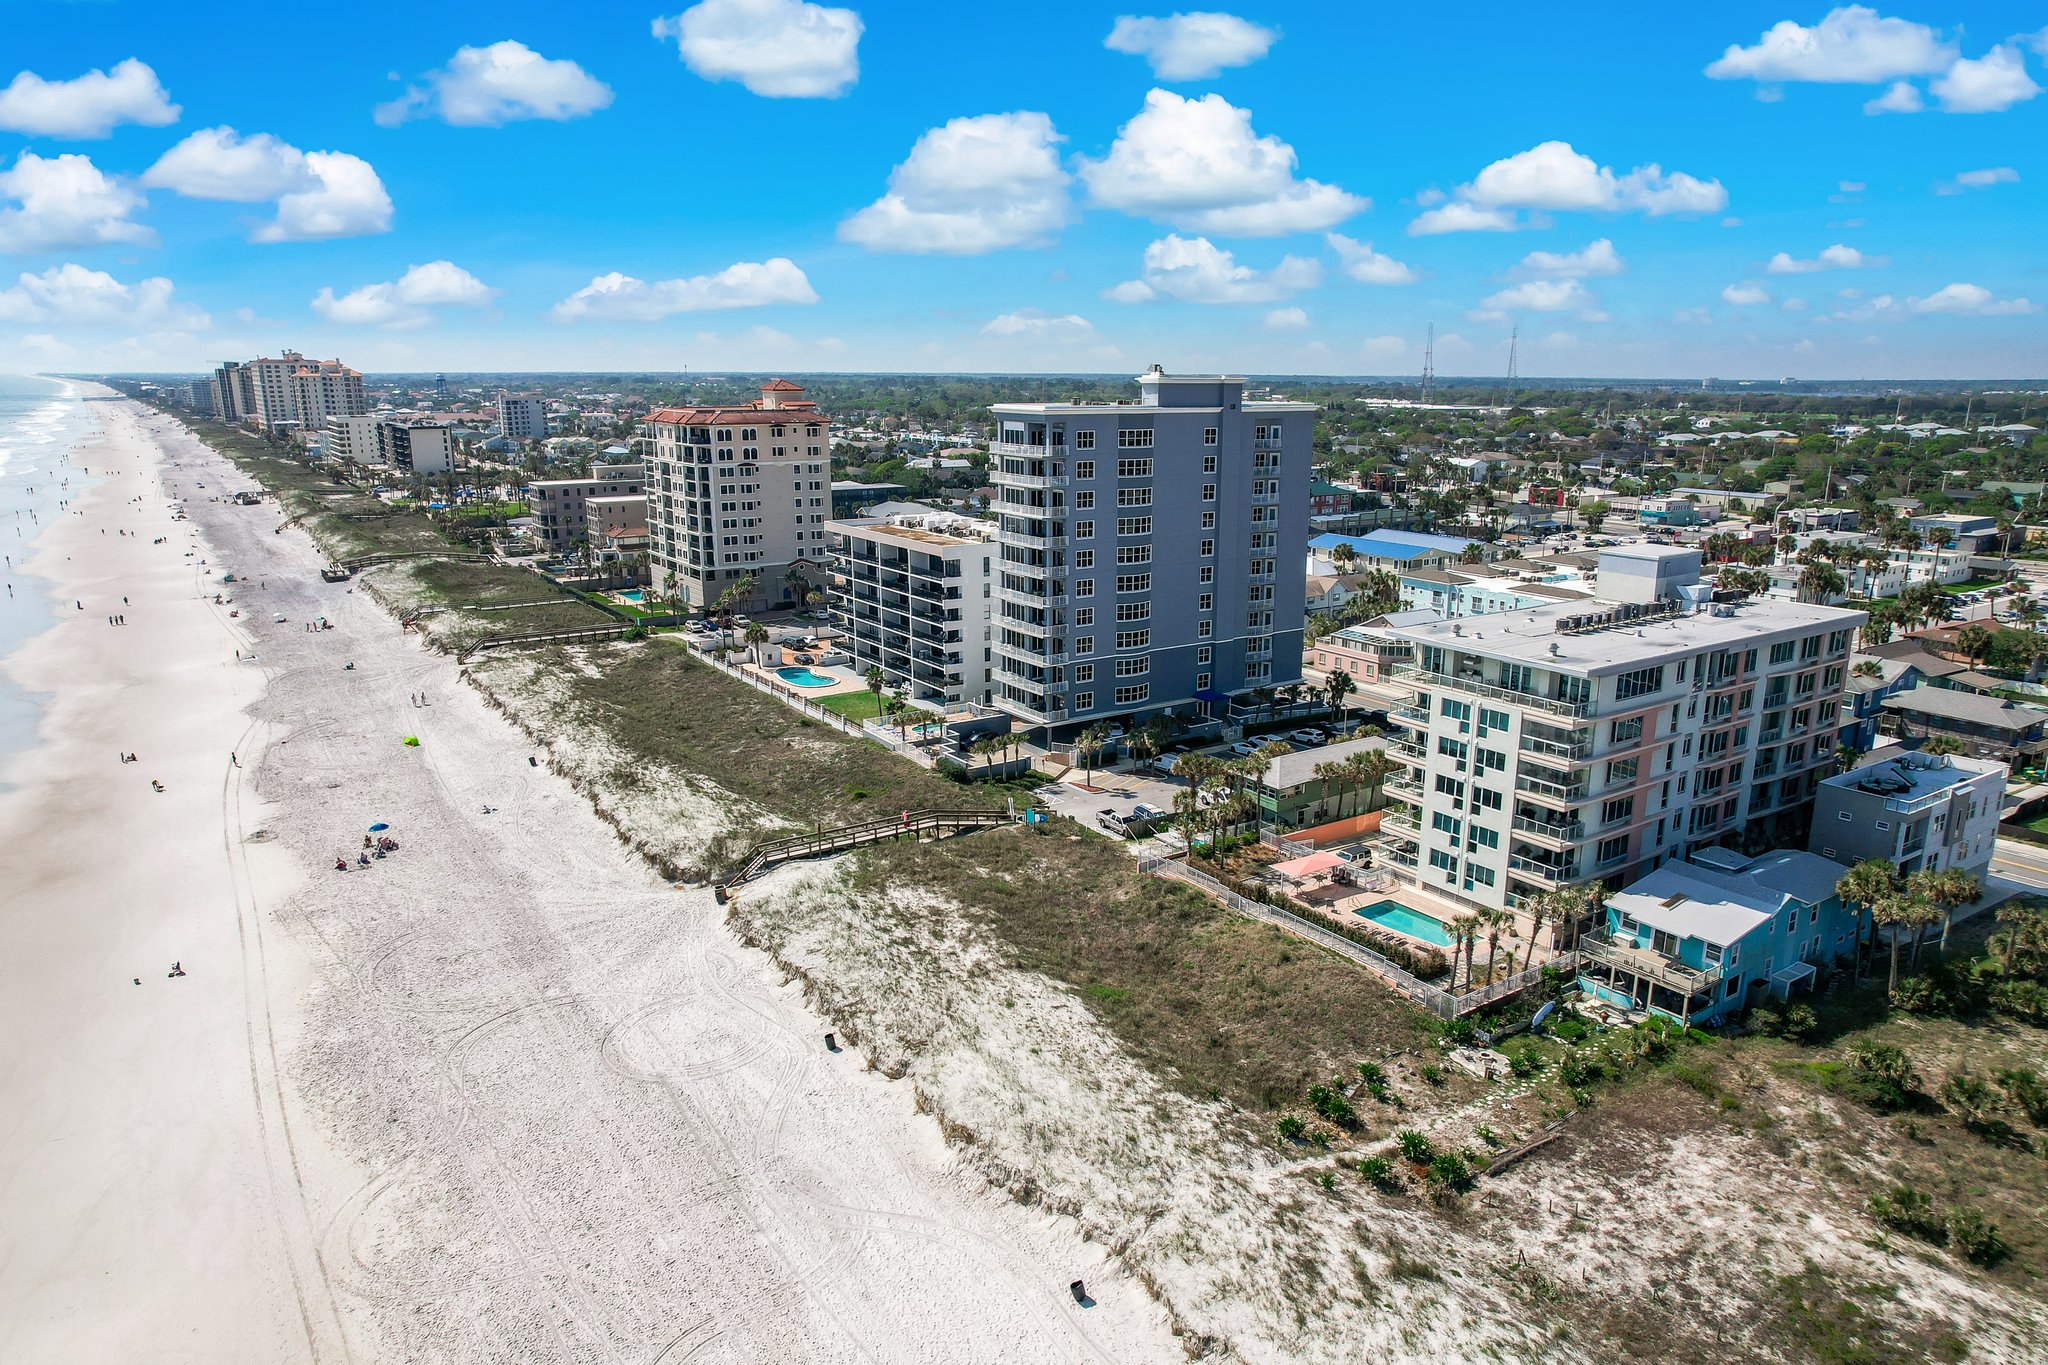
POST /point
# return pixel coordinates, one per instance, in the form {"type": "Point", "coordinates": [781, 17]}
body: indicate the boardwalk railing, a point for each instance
{"type": "Point", "coordinates": [361, 562]}
{"type": "Point", "coordinates": [1443, 1004]}
{"type": "Point", "coordinates": [916, 824]}
{"type": "Point", "coordinates": [552, 637]}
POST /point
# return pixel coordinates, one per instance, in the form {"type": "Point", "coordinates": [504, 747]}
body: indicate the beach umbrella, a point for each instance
{"type": "Point", "coordinates": [379, 827]}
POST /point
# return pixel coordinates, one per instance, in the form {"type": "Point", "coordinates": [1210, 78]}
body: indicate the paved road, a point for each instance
{"type": "Point", "coordinates": [2021, 863]}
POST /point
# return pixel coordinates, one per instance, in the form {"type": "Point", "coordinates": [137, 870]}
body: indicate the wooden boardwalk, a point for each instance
{"type": "Point", "coordinates": [916, 824]}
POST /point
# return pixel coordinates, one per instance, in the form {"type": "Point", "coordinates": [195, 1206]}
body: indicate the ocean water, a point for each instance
{"type": "Point", "coordinates": [41, 422]}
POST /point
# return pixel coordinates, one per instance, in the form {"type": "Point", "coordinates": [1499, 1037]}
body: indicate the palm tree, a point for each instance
{"type": "Point", "coordinates": [799, 586]}
{"type": "Point", "coordinates": [1845, 757]}
{"type": "Point", "coordinates": [756, 635]}
{"type": "Point", "coordinates": [1373, 767]}
{"type": "Point", "coordinates": [1947, 891]}
{"type": "Point", "coordinates": [876, 682]}
{"type": "Point", "coordinates": [1973, 641]}
{"type": "Point", "coordinates": [1895, 912]}
{"type": "Point", "coordinates": [1820, 582]}
{"type": "Point", "coordinates": [1465, 933]}
{"type": "Point", "coordinates": [1863, 886]}
{"type": "Point", "coordinates": [1336, 687]}
{"type": "Point", "coordinates": [1187, 813]}
{"type": "Point", "coordinates": [1336, 778]}
{"type": "Point", "coordinates": [1088, 745]}
{"type": "Point", "coordinates": [1494, 921]}
{"type": "Point", "coordinates": [1539, 909]}
{"type": "Point", "coordinates": [1148, 741]}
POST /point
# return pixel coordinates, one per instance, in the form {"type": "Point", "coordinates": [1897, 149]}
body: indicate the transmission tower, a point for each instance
{"type": "Point", "coordinates": [1514, 339]}
{"type": "Point", "coordinates": [1429, 363]}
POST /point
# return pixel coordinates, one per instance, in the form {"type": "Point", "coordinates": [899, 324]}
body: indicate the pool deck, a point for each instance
{"type": "Point", "coordinates": [843, 680]}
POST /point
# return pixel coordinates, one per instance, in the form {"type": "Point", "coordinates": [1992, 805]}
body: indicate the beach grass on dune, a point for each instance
{"type": "Point", "coordinates": [1217, 1004]}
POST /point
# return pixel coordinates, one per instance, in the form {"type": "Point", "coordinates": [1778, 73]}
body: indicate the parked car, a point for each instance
{"type": "Point", "coordinates": [1141, 811]}
{"type": "Point", "coordinates": [1114, 823]}
{"type": "Point", "coordinates": [1245, 748]}
{"type": "Point", "coordinates": [1307, 738]}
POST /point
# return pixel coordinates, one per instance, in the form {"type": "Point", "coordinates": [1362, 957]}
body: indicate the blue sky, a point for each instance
{"type": "Point", "coordinates": [1739, 190]}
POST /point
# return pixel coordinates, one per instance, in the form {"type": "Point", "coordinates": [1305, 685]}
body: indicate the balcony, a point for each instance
{"type": "Point", "coordinates": [1414, 716]}
{"type": "Point", "coordinates": [1266, 443]}
{"type": "Point", "coordinates": [1562, 793]}
{"type": "Point", "coordinates": [1578, 710]}
{"type": "Point", "coordinates": [1625, 955]}
{"type": "Point", "coordinates": [1402, 821]}
{"type": "Point", "coordinates": [1019, 450]}
{"type": "Point", "coordinates": [1031, 542]}
{"type": "Point", "coordinates": [1560, 834]}
{"type": "Point", "coordinates": [1542, 873]}
{"type": "Point", "coordinates": [1004, 479]}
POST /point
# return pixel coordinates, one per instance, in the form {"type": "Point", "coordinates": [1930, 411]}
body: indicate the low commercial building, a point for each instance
{"type": "Point", "coordinates": [1917, 811]}
{"type": "Point", "coordinates": [1972, 535]}
{"type": "Point", "coordinates": [1697, 940]}
{"type": "Point", "coordinates": [2013, 733]}
{"type": "Point", "coordinates": [913, 594]}
{"type": "Point", "coordinates": [1372, 655]}
{"type": "Point", "coordinates": [560, 514]}
{"type": "Point", "coordinates": [1396, 550]}
{"type": "Point", "coordinates": [1293, 794]}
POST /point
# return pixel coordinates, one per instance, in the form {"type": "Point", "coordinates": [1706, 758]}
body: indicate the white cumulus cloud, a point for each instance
{"type": "Point", "coordinates": [88, 106]}
{"type": "Point", "coordinates": [405, 302]}
{"type": "Point", "coordinates": [65, 201]}
{"type": "Point", "coordinates": [1287, 319]}
{"type": "Point", "coordinates": [783, 49]}
{"type": "Point", "coordinates": [747, 284]}
{"type": "Point", "coordinates": [1851, 45]}
{"type": "Point", "coordinates": [1746, 294]}
{"type": "Point", "coordinates": [1972, 299]}
{"type": "Point", "coordinates": [319, 195]}
{"type": "Point", "coordinates": [1039, 325]}
{"type": "Point", "coordinates": [1900, 97]}
{"type": "Point", "coordinates": [1360, 262]}
{"type": "Point", "coordinates": [1195, 270]}
{"type": "Point", "coordinates": [72, 296]}
{"type": "Point", "coordinates": [1985, 85]}
{"type": "Point", "coordinates": [1556, 176]}
{"type": "Point", "coordinates": [1599, 258]}
{"type": "Point", "coordinates": [1197, 165]}
{"type": "Point", "coordinates": [1540, 296]}
{"type": "Point", "coordinates": [1979, 180]}
{"type": "Point", "coordinates": [972, 185]}
{"type": "Point", "coordinates": [1836, 257]}
{"type": "Point", "coordinates": [483, 87]}
{"type": "Point", "coordinates": [1191, 47]}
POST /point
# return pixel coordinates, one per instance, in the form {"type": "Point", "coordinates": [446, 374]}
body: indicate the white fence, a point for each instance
{"type": "Point", "coordinates": [1441, 1003]}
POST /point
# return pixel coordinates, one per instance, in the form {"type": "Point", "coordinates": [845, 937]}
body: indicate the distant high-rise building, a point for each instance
{"type": "Point", "coordinates": [737, 493]}
{"type": "Point", "coordinates": [1150, 552]}
{"type": "Point", "coordinates": [417, 445]}
{"type": "Point", "coordinates": [322, 390]}
{"type": "Point", "coordinates": [522, 416]}
{"type": "Point", "coordinates": [229, 388]}
{"type": "Point", "coordinates": [286, 389]}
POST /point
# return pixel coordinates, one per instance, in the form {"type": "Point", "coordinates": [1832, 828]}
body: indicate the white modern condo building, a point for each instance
{"type": "Point", "coordinates": [738, 493]}
{"type": "Point", "coordinates": [1593, 740]}
{"type": "Point", "coordinates": [1149, 552]}
{"type": "Point", "coordinates": [911, 591]}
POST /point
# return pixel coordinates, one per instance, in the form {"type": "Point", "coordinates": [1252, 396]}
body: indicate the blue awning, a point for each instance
{"type": "Point", "coordinates": [1211, 694]}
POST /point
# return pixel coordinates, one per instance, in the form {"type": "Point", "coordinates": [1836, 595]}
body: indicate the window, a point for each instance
{"type": "Point", "coordinates": [1084, 559]}
{"type": "Point", "coordinates": [1084, 644]}
{"type": "Point", "coordinates": [1131, 696]}
{"type": "Point", "coordinates": [1133, 611]}
{"type": "Point", "coordinates": [1517, 678]}
{"type": "Point", "coordinates": [1084, 501]}
{"type": "Point", "coordinates": [1487, 837]}
{"type": "Point", "coordinates": [1084, 587]}
{"type": "Point", "coordinates": [1208, 436]}
{"type": "Point", "coordinates": [1084, 673]}
{"type": "Point", "coordinates": [1084, 530]}
{"type": "Point", "coordinates": [1208, 492]}
{"type": "Point", "coordinates": [1202, 681]}
{"type": "Point", "coordinates": [1618, 809]}
{"type": "Point", "coordinates": [1884, 825]}
{"type": "Point", "coordinates": [1134, 469]}
{"type": "Point", "coordinates": [1206, 602]}
{"type": "Point", "coordinates": [1085, 440]}
{"type": "Point", "coordinates": [1456, 710]}
{"type": "Point", "coordinates": [1485, 798]}
{"type": "Point", "coordinates": [1134, 438]}
{"type": "Point", "coordinates": [1084, 701]}
{"type": "Point", "coordinates": [1202, 655]}
{"type": "Point", "coordinates": [1782, 652]}
{"type": "Point", "coordinates": [1445, 824]}
{"type": "Point", "coordinates": [1133, 497]}
{"type": "Point", "coordinates": [1490, 719]}
{"type": "Point", "coordinates": [1208, 521]}
{"type": "Point", "coordinates": [1474, 872]}
{"type": "Point", "coordinates": [1134, 582]}
{"type": "Point", "coordinates": [1136, 666]}
{"type": "Point", "coordinates": [1626, 731]}
{"type": "Point", "coordinates": [1639, 682]}
{"type": "Point", "coordinates": [1208, 548]}
{"type": "Point", "coordinates": [1208, 574]}
{"type": "Point", "coordinates": [1084, 616]}
{"type": "Point", "coordinates": [1439, 859]}
{"type": "Point", "coordinates": [1842, 815]}
{"type": "Point", "coordinates": [1134, 526]}
{"type": "Point", "coordinates": [1621, 770]}
{"type": "Point", "coordinates": [1133, 639]}
{"type": "Point", "coordinates": [1204, 629]}
{"type": "Point", "coordinates": [1209, 463]}
{"type": "Point", "coordinates": [1613, 850]}
{"type": "Point", "coordinates": [1134, 554]}
{"type": "Point", "coordinates": [1450, 748]}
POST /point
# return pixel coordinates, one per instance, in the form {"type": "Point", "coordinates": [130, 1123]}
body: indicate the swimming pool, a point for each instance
{"type": "Point", "coordinates": [633, 595]}
{"type": "Point", "coordinates": [803, 677]}
{"type": "Point", "coordinates": [1398, 917]}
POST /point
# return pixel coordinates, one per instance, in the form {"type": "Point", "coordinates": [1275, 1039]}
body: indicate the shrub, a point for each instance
{"type": "Point", "coordinates": [1801, 1023]}
{"type": "Point", "coordinates": [1327, 1179]}
{"type": "Point", "coordinates": [1973, 1099]}
{"type": "Point", "coordinates": [1372, 1073]}
{"type": "Point", "coordinates": [1414, 1146]}
{"type": "Point", "coordinates": [2027, 1090]}
{"type": "Point", "coordinates": [1525, 1063]}
{"type": "Point", "coordinates": [1570, 1029]}
{"type": "Point", "coordinates": [1379, 1171]}
{"type": "Point", "coordinates": [1449, 1173]}
{"type": "Point", "coordinates": [1486, 1135]}
{"type": "Point", "coordinates": [1883, 1076]}
{"type": "Point", "coordinates": [1767, 1020]}
{"type": "Point", "coordinates": [1461, 1031]}
{"type": "Point", "coordinates": [1575, 1070]}
{"type": "Point", "coordinates": [1291, 1128]}
{"type": "Point", "coordinates": [1974, 1237]}
{"type": "Point", "coordinates": [1433, 1073]}
{"type": "Point", "coordinates": [1905, 1209]}
{"type": "Point", "coordinates": [1920, 995]}
{"type": "Point", "coordinates": [634, 633]}
{"type": "Point", "coordinates": [1332, 1105]}
{"type": "Point", "coordinates": [2027, 1000]}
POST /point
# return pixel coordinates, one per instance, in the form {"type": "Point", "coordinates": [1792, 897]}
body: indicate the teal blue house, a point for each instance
{"type": "Point", "coordinates": [1696, 941]}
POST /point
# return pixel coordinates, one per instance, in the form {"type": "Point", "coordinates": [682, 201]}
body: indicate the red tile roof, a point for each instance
{"type": "Point", "coordinates": [793, 414]}
{"type": "Point", "coordinates": [781, 386]}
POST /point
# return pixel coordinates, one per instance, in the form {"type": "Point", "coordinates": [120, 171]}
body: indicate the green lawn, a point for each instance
{"type": "Point", "coordinates": [855, 706]}
{"type": "Point", "coordinates": [1973, 585]}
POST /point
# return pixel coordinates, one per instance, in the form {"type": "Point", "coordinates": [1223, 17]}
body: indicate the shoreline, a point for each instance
{"type": "Point", "coordinates": [507, 1095]}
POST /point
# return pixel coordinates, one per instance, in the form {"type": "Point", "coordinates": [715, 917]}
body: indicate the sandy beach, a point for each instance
{"type": "Point", "coordinates": [501, 1096]}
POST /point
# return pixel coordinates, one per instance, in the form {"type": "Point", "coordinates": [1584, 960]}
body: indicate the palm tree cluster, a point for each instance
{"type": "Point", "coordinates": [1221, 794]}
{"type": "Point", "coordinates": [1911, 904]}
{"type": "Point", "coordinates": [1565, 908]}
{"type": "Point", "coordinates": [1345, 776]}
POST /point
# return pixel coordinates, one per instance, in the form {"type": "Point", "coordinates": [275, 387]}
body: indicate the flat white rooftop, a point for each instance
{"type": "Point", "coordinates": [1912, 776]}
{"type": "Point", "coordinates": [1532, 634]}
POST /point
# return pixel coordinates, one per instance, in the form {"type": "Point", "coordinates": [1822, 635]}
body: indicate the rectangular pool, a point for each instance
{"type": "Point", "coordinates": [1398, 917]}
